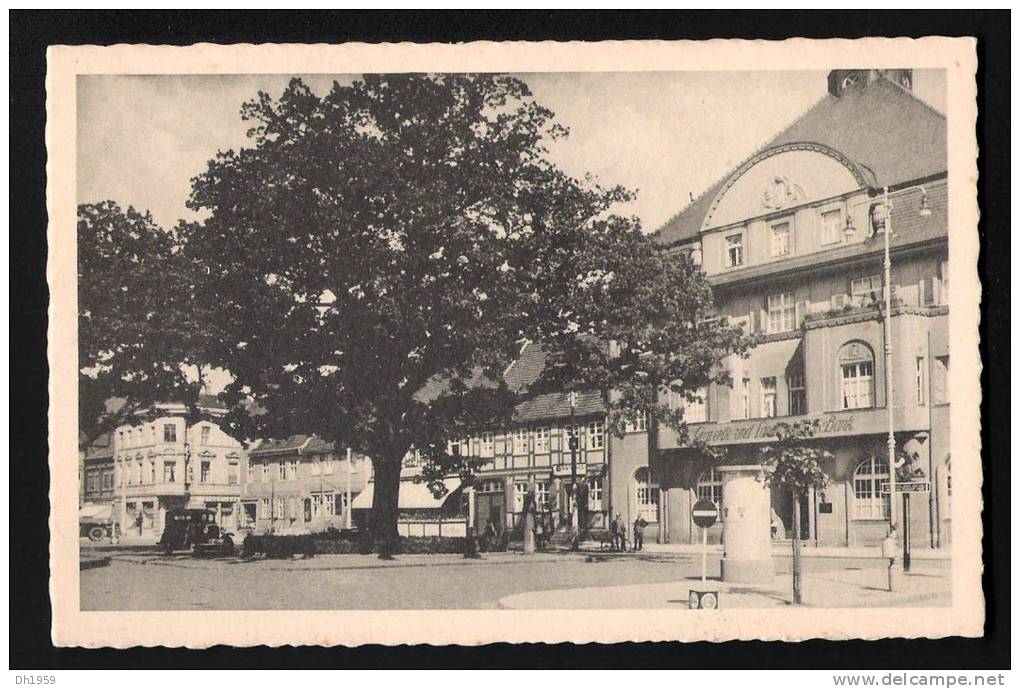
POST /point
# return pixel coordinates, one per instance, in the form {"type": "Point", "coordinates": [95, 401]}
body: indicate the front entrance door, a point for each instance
{"type": "Point", "coordinates": [782, 515]}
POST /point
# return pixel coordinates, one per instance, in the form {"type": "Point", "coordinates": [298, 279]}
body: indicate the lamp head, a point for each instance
{"type": "Point", "coordinates": [849, 230]}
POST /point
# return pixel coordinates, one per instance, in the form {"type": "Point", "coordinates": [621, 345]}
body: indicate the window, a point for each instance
{"type": "Point", "coordinates": [204, 435]}
{"type": "Point", "coordinates": [944, 273]}
{"type": "Point", "coordinates": [696, 411]}
{"type": "Point", "coordinates": [169, 433]}
{"type": "Point", "coordinates": [233, 473]}
{"type": "Point", "coordinates": [869, 500]}
{"type": "Point", "coordinates": [745, 397]}
{"type": "Point", "coordinates": [265, 472]}
{"type": "Point", "coordinates": [169, 471]}
{"type": "Point", "coordinates": [251, 472]}
{"type": "Point", "coordinates": [647, 493]}
{"type": "Point", "coordinates": [108, 479]}
{"type": "Point", "coordinates": [141, 471]}
{"type": "Point", "coordinates": [317, 466]}
{"type": "Point", "coordinates": [520, 490]}
{"type": "Point", "coordinates": [866, 290]}
{"type": "Point", "coordinates": [768, 397]}
{"type": "Point", "coordinates": [798, 395]}
{"type": "Point", "coordinates": [206, 474]}
{"type": "Point", "coordinates": [638, 425]}
{"type": "Point", "coordinates": [780, 239]}
{"type": "Point", "coordinates": [832, 225]}
{"type": "Point", "coordinates": [91, 482]}
{"type": "Point", "coordinates": [541, 440]}
{"type": "Point", "coordinates": [596, 434]}
{"type": "Point", "coordinates": [283, 471]}
{"type": "Point", "coordinates": [542, 495]}
{"type": "Point", "coordinates": [485, 445]}
{"type": "Point", "coordinates": [152, 471]}
{"type": "Point", "coordinates": [710, 487]}
{"type": "Point", "coordinates": [153, 434]}
{"type": "Point", "coordinates": [520, 441]}
{"type": "Point", "coordinates": [117, 474]}
{"type": "Point", "coordinates": [316, 505]}
{"type": "Point", "coordinates": [858, 378]}
{"type": "Point", "coordinates": [595, 494]}
{"type": "Point", "coordinates": [734, 251]}
{"type": "Point", "coordinates": [919, 379]}
{"type": "Point", "coordinates": [264, 508]}
{"type": "Point", "coordinates": [782, 312]}
{"type": "Point", "coordinates": [278, 508]}
{"type": "Point", "coordinates": [292, 469]}
{"type": "Point", "coordinates": [940, 380]}
{"type": "Point", "coordinates": [455, 448]}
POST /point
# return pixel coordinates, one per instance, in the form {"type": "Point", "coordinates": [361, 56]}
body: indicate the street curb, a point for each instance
{"type": "Point", "coordinates": [93, 563]}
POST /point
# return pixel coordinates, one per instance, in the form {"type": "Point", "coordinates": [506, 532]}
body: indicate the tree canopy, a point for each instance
{"type": "Point", "coordinates": [372, 260]}
{"type": "Point", "coordinates": [139, 336]}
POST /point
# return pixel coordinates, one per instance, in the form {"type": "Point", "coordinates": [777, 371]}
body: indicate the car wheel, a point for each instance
{"type": "Point", "coordinates": [97, 533]}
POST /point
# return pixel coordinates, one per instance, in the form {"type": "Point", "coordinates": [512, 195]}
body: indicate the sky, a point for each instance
{"type": "Point", "coordinates": [666, 135]}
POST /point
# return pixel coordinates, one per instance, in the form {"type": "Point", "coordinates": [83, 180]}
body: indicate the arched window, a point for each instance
{"type": "Point", "coordinates": [856, 376]}
{"type": "Point", "coordinates": [710, 486]}
{"type": "Point", "coordinates": [646, 488]}
{"type": "Point", "coordinates": [869, 500]}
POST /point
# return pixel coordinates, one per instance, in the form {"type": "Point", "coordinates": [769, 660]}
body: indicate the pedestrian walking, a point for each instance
{"type": "Point", "coordinates": [639, 532]}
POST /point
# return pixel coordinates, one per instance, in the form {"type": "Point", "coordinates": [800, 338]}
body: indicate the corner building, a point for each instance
{"type": "Point", "coordinates": [792, 242]}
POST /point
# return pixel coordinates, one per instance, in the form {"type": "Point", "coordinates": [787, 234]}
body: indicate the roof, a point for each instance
{"type": "Point", "coordinates": [272, 446]}
{"type": "Point", "coordinates": [885, 130]}
{"type": "Point", "coordinates": [97, 453]}
{"type": "Point", "coordinates": [411, 496]}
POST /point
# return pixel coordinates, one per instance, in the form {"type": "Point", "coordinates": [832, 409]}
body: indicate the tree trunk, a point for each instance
{"type": "Point", "coordinates": [796, 549]}
{"type": "Point", "coordinates": [383, 526]}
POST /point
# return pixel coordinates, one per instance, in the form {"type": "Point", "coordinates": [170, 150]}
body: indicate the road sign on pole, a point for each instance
{"type": "Point", "coordinates": [704, 513]}
{"type": "Point", "coordinates": [906, 487]}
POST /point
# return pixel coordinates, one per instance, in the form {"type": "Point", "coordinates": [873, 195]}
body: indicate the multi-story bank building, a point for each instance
{"type": "Point", "coordinates": [793, 243]}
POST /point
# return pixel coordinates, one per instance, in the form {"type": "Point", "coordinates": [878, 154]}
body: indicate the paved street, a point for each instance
{"type": "Point", "coordinates": [140, 580]}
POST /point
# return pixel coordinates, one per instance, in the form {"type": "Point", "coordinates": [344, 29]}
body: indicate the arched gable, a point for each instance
{"type": "Point", "coordinates": [783, 177]}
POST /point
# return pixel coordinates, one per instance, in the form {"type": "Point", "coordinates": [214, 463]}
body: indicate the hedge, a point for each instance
{"type": "Point", "coordinates": [336, 542]}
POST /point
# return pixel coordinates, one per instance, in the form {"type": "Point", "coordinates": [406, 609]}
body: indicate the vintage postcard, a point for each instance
{"type": "Point", "coordinates": [508, 342]}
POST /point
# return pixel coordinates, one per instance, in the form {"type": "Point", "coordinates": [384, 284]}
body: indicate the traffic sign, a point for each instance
{"type": "Point", "coordinates": [705, 513]}
{"type": "Point", "coordinates": [908, 487]}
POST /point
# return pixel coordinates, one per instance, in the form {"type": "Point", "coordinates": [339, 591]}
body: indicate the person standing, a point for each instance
{"type": "Point", "coordinates": [639, 532]}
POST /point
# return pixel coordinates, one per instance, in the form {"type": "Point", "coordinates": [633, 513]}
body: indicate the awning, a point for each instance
{"type": "Point", "coordinates": [769, 358]}
{"type": "Point", "coordinates": [95, 512]}
{"type": "Point", "coordinates": [413, 496]}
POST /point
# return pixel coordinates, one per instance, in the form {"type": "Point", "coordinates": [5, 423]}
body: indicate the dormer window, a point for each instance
{"type": "Point", "coordinates": [734, 250]}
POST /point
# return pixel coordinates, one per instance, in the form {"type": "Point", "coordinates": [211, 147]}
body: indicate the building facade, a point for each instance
{"type": "Point", "coordinates": [300, 484]}
{"type": "Point", "coordinates": [161, 462]}
{"type": "Point", "coordinates": [792, 242]}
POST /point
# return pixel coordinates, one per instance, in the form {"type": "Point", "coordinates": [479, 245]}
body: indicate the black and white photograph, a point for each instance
{"type": "Point", "coordinates": [673, 342]}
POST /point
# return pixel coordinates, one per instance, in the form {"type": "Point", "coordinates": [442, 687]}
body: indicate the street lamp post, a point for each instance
{"type": "Point", "coordinates": [881, 214]}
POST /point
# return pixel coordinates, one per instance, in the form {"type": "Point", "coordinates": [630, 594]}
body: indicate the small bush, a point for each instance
{"type": "Point", "coordinates": [276, 547]}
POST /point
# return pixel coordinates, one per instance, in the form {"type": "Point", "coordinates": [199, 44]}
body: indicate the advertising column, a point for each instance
{"type": "Point", "coordinates": [747, 554]}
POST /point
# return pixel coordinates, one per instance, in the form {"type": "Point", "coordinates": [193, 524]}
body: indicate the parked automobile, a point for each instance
{"type": "Point", "coordinates": [195, 530]}
{"type": "Point", "coordinates": [95, 522]}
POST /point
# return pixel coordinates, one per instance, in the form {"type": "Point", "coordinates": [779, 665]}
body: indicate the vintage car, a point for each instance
{"type": "Point", "coordinates": [195, 530]}
{"type": "Point", "coordinates": [95, 522]}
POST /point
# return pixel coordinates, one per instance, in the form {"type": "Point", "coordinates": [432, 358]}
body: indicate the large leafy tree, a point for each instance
{"type": "Point", "coordinates": [138, 332]}
{"type": "Point", "coordinates": [374, 257]}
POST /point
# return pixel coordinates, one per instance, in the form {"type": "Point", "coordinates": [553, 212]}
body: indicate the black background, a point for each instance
{"type": "Point", "coordinates": [32, 31]}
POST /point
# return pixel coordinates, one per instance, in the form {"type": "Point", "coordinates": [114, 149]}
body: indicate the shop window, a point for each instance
{"type": "Point", "coordinates": [595, 494]}
{"type": "Point", "coordinates": [768, 397]}
{"type": "Point", "coordinates": [869, 500]}
{"type": "Point", "coordinates": [782, 312]}
{"type": "Point", "coordinates": [541, 440]}
{"type": "Point", "coordinates": [832, 226]}
{"type": "Point", "coordinates": [779, 244]}
{"type": "Point", "coordinates": [646, 491]}
{"type": "Point", "coordinates": [169, 433]}
{"type": "Point", "coordinates": [734, 251]}
{"type": "Point", "coordinates": [798, 395]}
{"type": "Point", "coordinates": [596, 434]}
{"type": "Point", "coordinates": [710, 487]}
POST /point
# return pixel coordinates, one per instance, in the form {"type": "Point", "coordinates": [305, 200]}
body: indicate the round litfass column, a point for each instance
{"type": "Point", "coordinates": [747, 552]}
